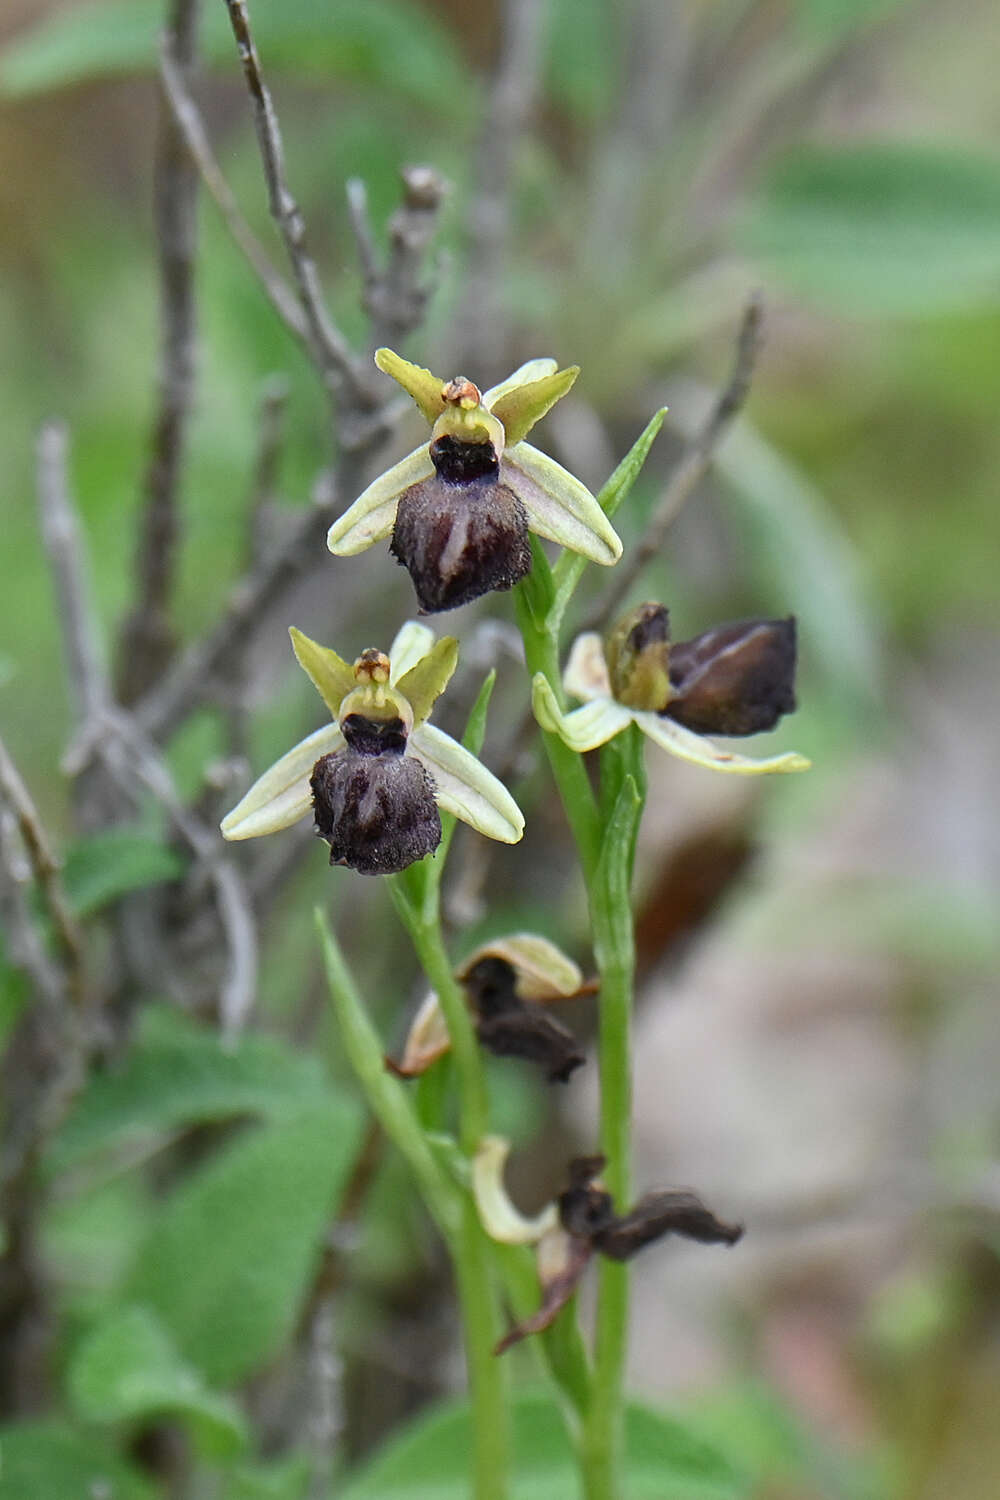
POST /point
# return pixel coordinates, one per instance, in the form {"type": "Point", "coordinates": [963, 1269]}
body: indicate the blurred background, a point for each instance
{"type": "Point", "coordinates": [818, 1045]}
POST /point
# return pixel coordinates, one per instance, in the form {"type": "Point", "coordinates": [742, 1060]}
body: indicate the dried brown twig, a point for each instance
{"type": "Point", "coordinates": [147, 638]}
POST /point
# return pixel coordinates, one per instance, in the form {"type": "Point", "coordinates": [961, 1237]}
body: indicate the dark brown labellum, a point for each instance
{"type": "Point", "coordinates": [463, 532]}
{"type": "Point", "coordinates": [583, 1208]}
{"type": "Point", "coordinates": [507, 1027]}
{"type": "Point", "coordinates": [658, 1214]}
{"type": "Point", "coordinates": [736, 679]}
{"type": "Point", "coordinates": [374, 736]}
{"type": "Point", "coordinates": [377, 812]}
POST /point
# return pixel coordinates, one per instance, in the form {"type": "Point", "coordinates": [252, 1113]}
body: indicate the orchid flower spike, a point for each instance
{"type": "Point", "coordinates": [376, 777]}
{"type": "Point", "coordinates": [508, 983]}
{"type": "Point", "coordinates": [580, 1222]}
{"type": "Point", "coordinates": [460, 507]}
{"type": "Point", "coordinates": [734, 680]}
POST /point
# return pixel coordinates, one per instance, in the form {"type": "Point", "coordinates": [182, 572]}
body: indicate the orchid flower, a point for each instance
{"type": "Point", "coordinates": [376, 777]}
{"type": "Point", "coordinates": [733, 680]}
{"type": "Point", "coordinates": [460, 507]}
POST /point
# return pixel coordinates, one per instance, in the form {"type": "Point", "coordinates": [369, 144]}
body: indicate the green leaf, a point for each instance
{"type": "Point", "coordinates": [891, 230]}
{"type": "Point", "coordinates": [537, 590]}
{"type": "Point", "coordinates": [231, 1253]}
{"type": "Point", "coordinates": [54, 1461]}
{"type": "Point", "coordinates": [104, 866]}
{"type": "Point", "coordinates": [393, 43]}
{"type": "Point", "coordinates": [432, 1459]}
{"type": "Point", "coordinates": [128, 1369]}
{"type": "Point", "coordinates": [472, 739]}
{"type": "Point", "coordinates": [178, 1073]}
{"type": "Point", "coordinates": [287, 1480]}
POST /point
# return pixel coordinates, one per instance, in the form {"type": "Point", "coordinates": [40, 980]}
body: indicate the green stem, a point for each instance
{"type": "Point", "coordinates": [614, 947]}
{"type": "Point", "coordinates": [470, 1248]}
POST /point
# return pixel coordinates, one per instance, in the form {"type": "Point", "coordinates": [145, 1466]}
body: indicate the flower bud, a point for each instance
{"type": "Point", "coordinates": [736, 679]}
{"type": "Point", "coordinates": [638, 657]}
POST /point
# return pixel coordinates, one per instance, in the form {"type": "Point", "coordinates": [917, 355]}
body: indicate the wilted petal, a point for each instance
{"type": "Point", "coordinates": [282, 795]}
{"type": "Point", "coordinates": [425, 388]}
{"type": "Point", "coordinates": [501, 1220]}
{"type": "Point", "coordinates": [330, 675]}
{"type": "Point", "coordinates": [519, 409]}
{"type": "Point", "coordinates": [533, 369]}
{"type": "Point", "coordinates": [424, 683]}
{"type": "Point", "coordinates": [465, 787]}
{"type": "Point", "coordinates": [543, 970]}
{"type": "Point", "coordinates": [661, 1213]}
{"type": "Point", "coordinates": [687, 745]}
{"type": "Point", "coordinates": [373, 514]}
{"type": "Point", "coordinates": [410, 645]}
{"type": "Point", "coordinates": [529, 1033]}
{"type": "Point", "coordinates": [559, 506]}
{"type": "Point", "coordinates": [584, 728]}
{"type": "Point", "coordinates": [426, 1040]}
{"type": "Point", "coordinates": [586, 675]}
{"type": "Point", "coordinates": [562, 1260]}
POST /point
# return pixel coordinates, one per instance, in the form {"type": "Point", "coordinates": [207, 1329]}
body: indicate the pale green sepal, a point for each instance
{"type": "Point", "coordinates": [282, 795]}
{"type": "Point", "coordinates": [498, 1216]}
{"type": "Point", "coordinates": [583, 729]}
{"type": "Point", "coordinates": [519, 409]}
{"type": "Point", "coordinates": [543, 971]}
{"type": "Point", "coordinates": [586, 674]}
{"type": "Point", "coordinates": [330, 674]}
{"type": "Point", "coordinates": [463, 786]}
{"type": "Point", "coordinates": [373, 514]}
{"type": "Point", "coordinates": [423, 684]}
{"type": "Point", "coordinates": [687, 745]}
{"type": "Point", "coordinates": [532, 369]}
{"type": "Point", "coordinates": [559, 506]}
{"type": "Point", "coordinates": [417, 382]}
{"type": "Point", "coordinates": [410, 645]}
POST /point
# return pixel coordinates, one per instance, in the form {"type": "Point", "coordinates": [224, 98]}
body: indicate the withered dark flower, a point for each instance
{"type": "Point", "coordinates": [460, 507]}
{"type": "Point", "coordinates": [376, 777]}
{"type": "Point", "coordinates": [507, 984]}
{"type": "Point", "coordinates": [737, 679]}
{"type": "Point", "coordinates": [581, 1223]}
{"type": "Point", "coordinates": [507, 1027]}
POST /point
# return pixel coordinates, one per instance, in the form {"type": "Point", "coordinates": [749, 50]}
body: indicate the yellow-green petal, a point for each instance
{"type": "Point", "coordinates": [424, 683]}
{"type": "Point", "coordinates": [687, 745]}
{"type": "Point", "coordinates": [532, 369]}
{"type": "Point", "coordinates": [373, 514]}
{"type": "Point", "coordinates": [463, 786]}
{"type": "Point", "coordinates": [282, 795]}
{"type": "Point", "coordinates": [330, 674]}
{"type": "Point", "coordinates": [559, 506]}
{"type": "Point", "coordinates": [583, 729]}
{"type": "Point", "coordinates": [417, 382]}
{"type": "Point", "coordinates": [520, 408]}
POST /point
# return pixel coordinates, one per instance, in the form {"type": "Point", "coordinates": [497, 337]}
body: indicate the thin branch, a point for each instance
{"type": "Point", "coordinates": [44, 868]}
{"type": "Point", "coordinates": [88, 681]}
{"type": "Point", "coordinates": [191, 126]}
{"type": "Point", "coordinates": [510, 105]}
{"type": "Point", "coordinates": [333, 354]}
{"type": "Point", "coordinates": [691, 468]}
{"type": "Point", "coordinates": [147, 639]}
{"type": "Point", "coordinates": [395, 298]}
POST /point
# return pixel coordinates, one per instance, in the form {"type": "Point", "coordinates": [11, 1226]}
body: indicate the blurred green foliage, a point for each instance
{"type": "Point", "coordinates": [861, 493]}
